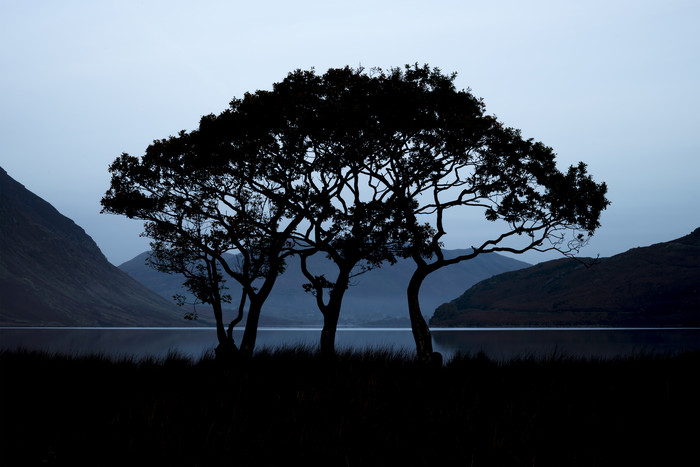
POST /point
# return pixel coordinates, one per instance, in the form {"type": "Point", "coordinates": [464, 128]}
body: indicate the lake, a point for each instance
{"type": "Point", "coordinates": [497, 343]}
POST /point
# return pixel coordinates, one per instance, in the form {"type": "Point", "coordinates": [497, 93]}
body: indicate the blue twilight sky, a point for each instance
{"type": "Point", "coordinates": [611, 83]}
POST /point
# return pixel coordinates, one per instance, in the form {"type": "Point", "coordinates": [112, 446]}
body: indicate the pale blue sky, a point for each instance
{"type": "Point", "coordinates": [612, 83]}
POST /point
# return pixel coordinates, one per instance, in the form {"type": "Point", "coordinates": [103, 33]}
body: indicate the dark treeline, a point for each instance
{"type": "Point", "coordinates": [292, 407]}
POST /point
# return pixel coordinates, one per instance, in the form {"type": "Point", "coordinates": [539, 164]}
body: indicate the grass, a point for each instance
{"type": "Point", "coordinates": [293, 407]}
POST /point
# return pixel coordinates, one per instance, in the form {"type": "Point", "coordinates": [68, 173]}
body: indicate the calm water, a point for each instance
{"type": "Point", "coordinates": [496, 343]}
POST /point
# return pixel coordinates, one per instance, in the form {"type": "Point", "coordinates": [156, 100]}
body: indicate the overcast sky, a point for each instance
{"type": "Point", "coordinates": [610, 83]}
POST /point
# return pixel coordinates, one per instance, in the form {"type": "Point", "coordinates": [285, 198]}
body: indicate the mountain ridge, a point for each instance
{"type": "Point", "coordinates": [377, 298]}
{"type": "Point", "coordinates": [656, 285]}
{"type": "Point", "coordinates": [53, 273]}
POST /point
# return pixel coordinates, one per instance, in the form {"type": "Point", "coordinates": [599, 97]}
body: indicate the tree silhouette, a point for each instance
{"type": "Point", "coordinates": [359, 166]}
{"type": "Point", "coordinates": [172, 253]}
{"type": "Point", "coordinates": [437, 152]}
{"type": "Point", "coordinates": [199, 211]}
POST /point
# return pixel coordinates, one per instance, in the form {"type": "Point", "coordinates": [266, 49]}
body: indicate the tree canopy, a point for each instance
{"type": "Point", "coordinates": [362, 166]}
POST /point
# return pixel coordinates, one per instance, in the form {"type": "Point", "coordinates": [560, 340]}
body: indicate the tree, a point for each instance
{"type": "Point", "coordinates": [172, 253]}
{"type": "Point", "coordinates": [438, 152]}
{"type": "Point", "coordinates": [196, 210]}
{"type": "Point", "coordinates": [358, 166]}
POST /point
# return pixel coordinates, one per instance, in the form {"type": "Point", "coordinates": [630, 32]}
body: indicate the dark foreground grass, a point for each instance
{"type": "Point", "coordinates": [292, 407]}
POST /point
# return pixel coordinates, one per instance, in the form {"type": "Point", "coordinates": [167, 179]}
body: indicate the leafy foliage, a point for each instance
{"type": "Point", "coordinates": [360, 166]}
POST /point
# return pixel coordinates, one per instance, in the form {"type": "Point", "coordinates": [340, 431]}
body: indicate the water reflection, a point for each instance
{"type": "Point", "coordinates": [496, 343]}
{"type": "Point", "coordinates": [589, 342]}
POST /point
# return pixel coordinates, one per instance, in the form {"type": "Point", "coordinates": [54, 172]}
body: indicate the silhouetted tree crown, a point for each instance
{"type": "Point", "coordinates": [362, 166]}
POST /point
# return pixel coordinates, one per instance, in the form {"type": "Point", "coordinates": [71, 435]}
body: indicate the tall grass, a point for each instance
{"type": "Point", "coordinates": [294, 407]}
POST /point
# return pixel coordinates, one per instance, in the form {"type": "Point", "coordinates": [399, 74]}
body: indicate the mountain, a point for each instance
{"type": "Point", "coordinates": [658, 285]}
{"type": "Point", "coordinates": [53, 273]}
{"type": "Point", "coordinates": [376, 299]}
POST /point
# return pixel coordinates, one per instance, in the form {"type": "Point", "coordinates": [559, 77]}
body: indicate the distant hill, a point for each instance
{"type": "Point", "coordinates": [658, 285]}
{"type": "Point", "coordinates": [53, 273]}
{"type": "Point", "coordinates": [376, 299]}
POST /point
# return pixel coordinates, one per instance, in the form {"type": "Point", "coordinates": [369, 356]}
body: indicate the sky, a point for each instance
{"type": "Point", "coordinates": [611, 83]}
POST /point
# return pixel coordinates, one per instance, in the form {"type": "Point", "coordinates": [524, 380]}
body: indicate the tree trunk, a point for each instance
{"type": "Point", "coordinates": [226, 350]}
{"type": "Point", "coordinates": [331, 313]}
{"type": "Point", "coordinates": [219, 317]}
{"type": "Point", "coordinates": [250, 333]}
{"type": "Point", "coordinates": [330, 325]}
{"type": "Point", "coordinates": [421, 331]}
{"type": "Point", "coordinates": [256, 301]}
{"type": "Point", "coordinates": [238, 318]}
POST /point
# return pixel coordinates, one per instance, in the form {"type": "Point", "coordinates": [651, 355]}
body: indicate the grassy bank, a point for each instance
{"type": "Point", "coordinates": [291, 407]}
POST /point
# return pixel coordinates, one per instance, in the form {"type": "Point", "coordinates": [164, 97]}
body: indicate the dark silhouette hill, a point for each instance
{"type": "Point", "coordinates": [53, 273]}
{"type": "Point", "coordinates": [376, 298]}
{"type": "Point", "coordinates": [657, 285]}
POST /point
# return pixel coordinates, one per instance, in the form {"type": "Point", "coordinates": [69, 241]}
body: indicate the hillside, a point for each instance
{"type": "Point", "coordinates": [376, 298]}
{"type": "Point", "coordinates": [658, 285]}
{"type": "Point", "coordinates": [53, 273]}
